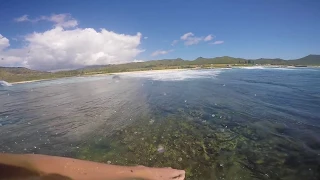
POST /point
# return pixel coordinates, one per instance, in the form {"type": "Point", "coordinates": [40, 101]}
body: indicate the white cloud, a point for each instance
{"type": "Point", "coordinates": [59, 48]}
{"type": "Point", "coordinates": [174, 42]}
{"type": "Point", "coordinates": [4, 42]}
{"type": "Point", "coordinates": [145, 37]}
{"type": "Point", "coordinates": [208, 38]}
{"type": "Point", "coordinates": [160, 52]}
{"type": "Point", "coordinates": [217, 42]}
{"type": "Point", "coordinates": [63, 20]}
{"type": "Point", "coordinates": [60, 20]}
{"type": "Point", "coordinates": [136, 60]}
{"type": "Point", "coordinates": [22, 18]}
{"type": "Point", "coordinates": [186, 36]}
{"type": "Point", "coordinates": [190, 39]}
{"type": "Point", "coordinates": [193, 41]}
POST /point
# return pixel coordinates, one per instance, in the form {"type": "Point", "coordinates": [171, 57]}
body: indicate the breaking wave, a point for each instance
{"type": "Point", "coordinates": [5, 83]}
{"type": "Point", "coordinates": [174, 75]}
{"type": "Point", "coordinates": [253, 67]}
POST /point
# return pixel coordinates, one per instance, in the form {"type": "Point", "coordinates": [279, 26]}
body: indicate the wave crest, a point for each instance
{"type": "Point", "coordinates": [5, 83]}
{"type": "Point", "coordinates": [174, 75]}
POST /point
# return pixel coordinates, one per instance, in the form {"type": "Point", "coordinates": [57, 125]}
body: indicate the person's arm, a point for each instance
{"type": "Point", "coordinates": [79, 169]}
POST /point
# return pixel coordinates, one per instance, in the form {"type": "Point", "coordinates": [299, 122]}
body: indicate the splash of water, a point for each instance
{"type": "Point", "coordinates": [5, 83]}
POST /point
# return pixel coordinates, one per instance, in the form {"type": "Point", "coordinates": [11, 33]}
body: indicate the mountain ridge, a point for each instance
{"type": "Point", "coordinates": [311, 59]}
{"type": "Point", "coordinates": [14, 74]}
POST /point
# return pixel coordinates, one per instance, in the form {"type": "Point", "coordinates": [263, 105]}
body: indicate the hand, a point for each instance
{"type": "Point", "coordinates": [162, 173]}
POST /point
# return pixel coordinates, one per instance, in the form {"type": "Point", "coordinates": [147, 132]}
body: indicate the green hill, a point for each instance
{"type": "Point", "coordinates": [17, 74]}
{"type": "Point", "coordinates": [271, 61]}
{"type": "Point", "coordinates": [219, 60]}
{"type": "Point", "coordinates": [14, 74]}
{"type": "Point", "coordinates": [308, 60]}
{"type": "Point", "coordinates": [19, 70]}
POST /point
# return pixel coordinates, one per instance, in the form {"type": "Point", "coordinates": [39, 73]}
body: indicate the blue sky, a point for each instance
{"type": "Point", "coordinates": [248, 28]}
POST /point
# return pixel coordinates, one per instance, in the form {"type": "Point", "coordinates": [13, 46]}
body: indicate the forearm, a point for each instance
{"type": "Point", "coordinates": [73, 168]}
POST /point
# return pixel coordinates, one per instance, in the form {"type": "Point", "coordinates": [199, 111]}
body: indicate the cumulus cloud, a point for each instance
{"type": "Point", "coordinates": [4, 42]}
{"type": "Point", "coordinates": [160, 52]}
{"type": "Point", "coordinates": [61, 48]}
{"type": "Point", "coordinates": [208, 38]}
{"type": "Point", "coordinates": [145, 37]}
{"type": "Point", "coordinates": [61, 20]}
{"type": "Point", "coordinates": [217, 42]}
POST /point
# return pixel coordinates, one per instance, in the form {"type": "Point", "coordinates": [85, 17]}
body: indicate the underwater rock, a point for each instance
{"type": "Point", "coordinates": [151, 121]}
{"type": "Point", "coordinates": [116, 77]}
{"type": "Point", "coordinates": [160, 149]}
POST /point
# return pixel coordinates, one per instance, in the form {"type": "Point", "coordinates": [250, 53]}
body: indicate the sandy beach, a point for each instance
{"type": "Point", "coordinates": [22, 82]}
{"type": "Point", "coordinates": [118, 73]}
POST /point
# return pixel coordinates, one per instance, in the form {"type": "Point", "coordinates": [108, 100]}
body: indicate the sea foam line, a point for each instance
{"type": "Point", "coordinates": [174, 75]}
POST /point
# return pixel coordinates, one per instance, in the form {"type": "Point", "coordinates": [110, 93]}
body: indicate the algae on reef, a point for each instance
{"type": "Point", "coordinates": [214, 148]}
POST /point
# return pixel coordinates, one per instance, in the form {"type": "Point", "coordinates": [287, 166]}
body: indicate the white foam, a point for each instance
{"type": "Point", "coordinates": [175, 75]}
{"type": "Point", "coordinates": [253, 67]}
{"type": "Point", "coordinates": [285, 69]}
{"type": "Point", "coordinates": [268, 68]}
{"type": "Point", "coordinates": [5, 83]}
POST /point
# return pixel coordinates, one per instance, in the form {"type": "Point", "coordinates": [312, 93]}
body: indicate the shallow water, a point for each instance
{"type": "Point", "coordinates": [216, 124]}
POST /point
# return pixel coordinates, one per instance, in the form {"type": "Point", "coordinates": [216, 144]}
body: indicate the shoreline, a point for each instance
{"type": "Point", "coordinates": [94, 75]}
{"type": "Point", "coordinates": [158, 70]}
{"type": "Point", "coordinates": [31, 81]}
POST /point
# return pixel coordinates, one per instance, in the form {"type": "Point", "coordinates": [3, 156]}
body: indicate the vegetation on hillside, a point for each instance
{"type": "Point", "coordinates": [15, 74]}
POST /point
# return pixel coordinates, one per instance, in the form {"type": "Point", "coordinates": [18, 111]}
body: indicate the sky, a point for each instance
{"type": "Point", "coordinates": [60, 34]}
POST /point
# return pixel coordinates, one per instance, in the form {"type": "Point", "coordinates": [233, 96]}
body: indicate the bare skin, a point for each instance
{"type": "Point", "coordinates": [45, 166]}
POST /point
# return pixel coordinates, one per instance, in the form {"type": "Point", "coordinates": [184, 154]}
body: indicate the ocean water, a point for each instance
{"type": "Point", "coordinates": [258, 123]}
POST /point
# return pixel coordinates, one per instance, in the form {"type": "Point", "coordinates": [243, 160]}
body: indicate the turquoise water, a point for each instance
{"type": "Point", "coordinates": [215, 124]}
